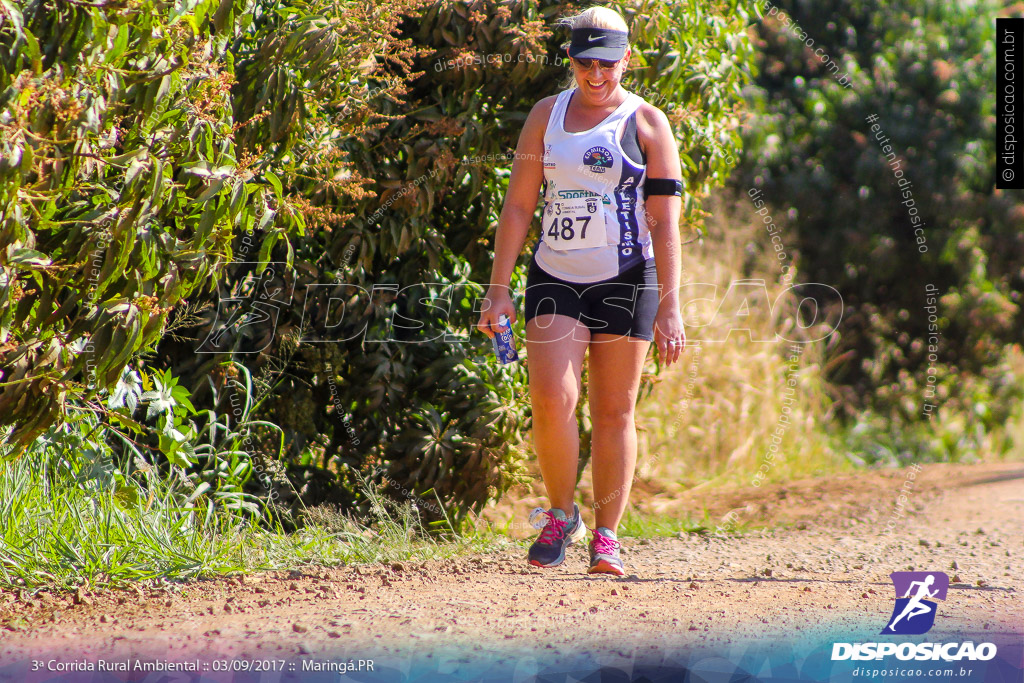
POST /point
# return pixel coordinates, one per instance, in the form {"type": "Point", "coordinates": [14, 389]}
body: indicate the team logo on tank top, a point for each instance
{"type": "Point", "coordinates": [598, 159]}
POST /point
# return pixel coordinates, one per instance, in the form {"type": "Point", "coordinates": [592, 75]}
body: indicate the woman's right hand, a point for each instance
{"type": "Point", "coordinates": [497, 302]}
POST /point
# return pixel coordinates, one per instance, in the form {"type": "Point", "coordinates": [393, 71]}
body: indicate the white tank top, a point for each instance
{"type": "Point", "coordinates": [588, 171]}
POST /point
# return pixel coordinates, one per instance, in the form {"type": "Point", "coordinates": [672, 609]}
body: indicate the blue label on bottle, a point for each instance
{"type": "Point", "coordinates": [504, 344]}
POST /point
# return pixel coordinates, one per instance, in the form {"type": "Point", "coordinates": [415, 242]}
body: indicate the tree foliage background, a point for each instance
{"type": "Point", "coordinates": [925, 69]}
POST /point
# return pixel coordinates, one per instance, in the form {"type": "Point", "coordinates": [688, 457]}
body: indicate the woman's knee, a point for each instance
{"type": "Point", "coordinates": [553, 398]}
{"type": "Point", "coordinates": [612, 415]}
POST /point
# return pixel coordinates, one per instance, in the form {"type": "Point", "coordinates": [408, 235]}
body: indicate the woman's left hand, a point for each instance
{"type": "Point", "coordinates": [669, 333]}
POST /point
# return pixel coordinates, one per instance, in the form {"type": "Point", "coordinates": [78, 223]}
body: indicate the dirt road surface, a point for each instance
{"type": "Point", "coordinates": [819, 569]}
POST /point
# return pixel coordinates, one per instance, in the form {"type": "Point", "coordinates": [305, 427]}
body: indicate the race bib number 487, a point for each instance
{"type": "Point", "coordinates": [574, 224]}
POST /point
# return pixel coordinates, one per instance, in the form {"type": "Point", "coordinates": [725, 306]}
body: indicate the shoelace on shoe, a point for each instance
{"type": "Point", "coordinates": [603, 545]}
{"type": "Point", "coordinates": [553, 530]}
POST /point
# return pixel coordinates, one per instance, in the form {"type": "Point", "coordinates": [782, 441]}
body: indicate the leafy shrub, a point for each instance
{"type": "Point", "coordinates": [924, 69]}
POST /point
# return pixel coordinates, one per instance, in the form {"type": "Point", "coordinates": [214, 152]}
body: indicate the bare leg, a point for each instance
{"type": "Point", "coordinates": [556, 345]}
{"type": "Point", "coordinates": [615, 366]}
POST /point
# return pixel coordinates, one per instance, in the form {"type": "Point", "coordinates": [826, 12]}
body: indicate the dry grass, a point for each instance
{"type": "Point", "coordinates": [711, 418]}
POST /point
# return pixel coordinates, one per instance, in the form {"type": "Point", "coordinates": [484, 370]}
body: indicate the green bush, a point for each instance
{"type": "Point", "coordinates": [925, 69]}
{"type": "Point", "coordinates": [132, 157]}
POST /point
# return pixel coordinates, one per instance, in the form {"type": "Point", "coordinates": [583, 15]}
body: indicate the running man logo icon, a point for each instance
{"type": "Point", "coordinates": [914, 613]}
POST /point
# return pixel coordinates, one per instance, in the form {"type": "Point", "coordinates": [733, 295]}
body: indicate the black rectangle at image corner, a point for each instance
{"type": "Point", "coordinates": [1009, 106]}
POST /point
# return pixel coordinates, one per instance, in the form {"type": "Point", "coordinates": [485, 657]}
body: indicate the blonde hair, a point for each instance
{"type": "Point", "coordinates": [596, 17]}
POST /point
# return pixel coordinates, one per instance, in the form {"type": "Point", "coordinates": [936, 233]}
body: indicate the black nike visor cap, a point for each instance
{"type": "Point", "coordinates": [598, 43]}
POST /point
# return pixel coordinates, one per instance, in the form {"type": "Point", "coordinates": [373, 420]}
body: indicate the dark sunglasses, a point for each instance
{"type": "Point", "coordinates": [586, 63]}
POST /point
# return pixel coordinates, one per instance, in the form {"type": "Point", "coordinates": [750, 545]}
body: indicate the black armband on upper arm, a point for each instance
{"type": "Point", "coordinates": [666, 186]}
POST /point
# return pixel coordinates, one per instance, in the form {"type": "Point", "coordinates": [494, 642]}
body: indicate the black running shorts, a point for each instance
{"type": "Point", "coordinates": [622, 305]}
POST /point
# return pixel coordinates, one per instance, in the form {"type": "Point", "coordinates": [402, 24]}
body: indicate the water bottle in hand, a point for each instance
{"type": "Point", "coordinates": [503, 342]}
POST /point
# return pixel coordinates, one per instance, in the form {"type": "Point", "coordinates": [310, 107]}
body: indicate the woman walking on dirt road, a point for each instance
{"type": "Point", "coordinates": [609, 242]}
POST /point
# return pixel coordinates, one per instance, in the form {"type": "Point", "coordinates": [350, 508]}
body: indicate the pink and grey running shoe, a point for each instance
{"type": "Point", "coordinates": [559, 533]}
{"type": "Point", "coordinates": [604, 553]}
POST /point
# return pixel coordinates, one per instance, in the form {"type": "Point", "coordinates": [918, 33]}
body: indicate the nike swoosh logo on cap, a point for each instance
{"type": "Point", "coordinates": [591, 39]}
